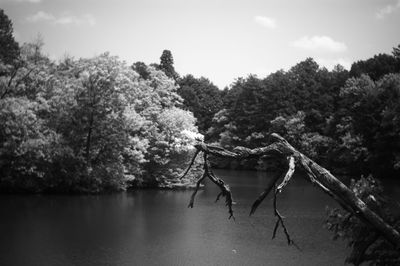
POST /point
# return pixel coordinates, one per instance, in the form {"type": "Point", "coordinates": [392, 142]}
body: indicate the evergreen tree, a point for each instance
{"type": "Point", "coordinates": [167, 65]}
{"type": "Point", "coordinates": [9, 49]}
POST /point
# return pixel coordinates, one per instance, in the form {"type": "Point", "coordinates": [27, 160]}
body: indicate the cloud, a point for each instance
{"type": "Point", "coordinates": [387, 10]}
{"type": "Point", "coordinates": [62, 20]}
{"type": "Point", "coordinates": [320, 43]}
{"type": "Point", "coordinates": [265, 22]}
{"type": "Point", "coordinates": [73, 20]}
{"type": "Point", "coordinates": [331, 63]}
{"type": "Point", "coordinates": [40, 16]}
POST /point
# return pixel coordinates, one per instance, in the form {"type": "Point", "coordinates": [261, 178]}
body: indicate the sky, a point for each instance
{"type": "Point", "coordinates": [221, 40]}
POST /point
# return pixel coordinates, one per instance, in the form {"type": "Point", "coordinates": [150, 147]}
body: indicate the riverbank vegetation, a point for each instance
{"type": "Point", "coordinates": [99, 124]}
{"type": "Point", "coordinates": [347, 120]}
{"type": "Point", "coordinates": [87, 125]}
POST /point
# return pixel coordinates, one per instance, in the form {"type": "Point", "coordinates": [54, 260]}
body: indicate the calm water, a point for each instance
{"type": "Point", "coordinates": [151, 227]}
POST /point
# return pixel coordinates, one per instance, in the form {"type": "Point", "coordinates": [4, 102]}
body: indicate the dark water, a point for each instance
{"type": "Point", "coordinates": [151, 227]}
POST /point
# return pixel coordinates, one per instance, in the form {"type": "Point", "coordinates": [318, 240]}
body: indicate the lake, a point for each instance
{"type": "Point", "coordinates": [155, 227]}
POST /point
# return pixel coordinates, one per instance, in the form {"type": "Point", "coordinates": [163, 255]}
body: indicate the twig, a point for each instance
{"type": "Point", "coordinates": [279, 221]}
{"type": "Point", "coordinates": [264, 194]}
{"type": "Point", "coordinates": [218, 196]}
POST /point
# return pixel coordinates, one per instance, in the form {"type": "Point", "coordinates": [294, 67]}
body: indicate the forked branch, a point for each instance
{"type": "Point", "coordinates": [281, 150]}
{"type": "Point", "coordinates": [225, 191]}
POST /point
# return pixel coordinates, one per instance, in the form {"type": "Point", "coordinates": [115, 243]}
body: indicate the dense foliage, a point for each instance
{"type": "Point", "coordinates": [89, 125]}
{"type": "Point", "coordinates": [94, 110]}
{"type": "Point", "coordinates": [202, 98]}
{"type": "Point", "coordinates": [349, 123]}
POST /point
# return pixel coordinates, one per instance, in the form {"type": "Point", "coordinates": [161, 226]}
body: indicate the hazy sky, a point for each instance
{"type": "Point", "coordinates": [219, 39]}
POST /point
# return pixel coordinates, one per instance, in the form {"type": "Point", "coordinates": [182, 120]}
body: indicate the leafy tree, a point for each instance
{"type": "Point", "coordinates": [202, 98]}
{"type": "Point", "coordinates": [365, 124]}
{"type": "Point", "coordinates": [294, 129]}
{"type": "Point", "coordinates": [156, 102]}
{"type": "Point", "coordinates": [27, 146]}
{"type": "Point", "coordinates": [142, 69]}
{"type": "Point", "coordinates": [89, 125]}
{"type": "Point", "coordinates": [9, 49]}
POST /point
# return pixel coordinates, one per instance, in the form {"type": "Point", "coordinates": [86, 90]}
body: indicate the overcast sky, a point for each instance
{"type": "Point", "coordinates": [219, 39]}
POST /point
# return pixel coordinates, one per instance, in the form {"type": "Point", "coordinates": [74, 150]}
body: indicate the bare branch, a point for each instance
{"type": "Point", "coordinates": [288, 175]}
{"type": "Point", "coordinates": [218, 196]}
{"type": "Point", "coordinates": [279, 221]}
{"type": "Point", "coordinates": [265, 193]}
{"type": "Point", "coordinates": [196, 189]}
{"type": "Point", "coordinates": [225, 191]}
{"type": "Point", "coordinates": [191, 163]}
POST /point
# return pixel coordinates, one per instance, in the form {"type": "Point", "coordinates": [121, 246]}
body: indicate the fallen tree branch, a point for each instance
{"type": "Point", "coordinates": [281, 150]}
{"type": "Point", "coordinates": [225, 191]}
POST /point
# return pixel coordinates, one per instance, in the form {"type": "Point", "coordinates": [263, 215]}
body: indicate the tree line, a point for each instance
{"type": "Point", "coordinates": [346, 120]}
{"type": "Point", "coordinates": [95, 124]}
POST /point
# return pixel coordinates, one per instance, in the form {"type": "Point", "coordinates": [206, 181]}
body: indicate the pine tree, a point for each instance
{"type": "Point", "coordinates": [9, 49]}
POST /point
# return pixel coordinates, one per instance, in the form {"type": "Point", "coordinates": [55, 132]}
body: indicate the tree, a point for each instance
{"type": "Point", "coordinates": [375, 67]}
{"type": "Point", "coordinates": [289, 159]}
{"type": "Point", "coordinates": [27, 145]}
{"type": "Point", "coordinates": [141, 69]}
{"type": "Point", "coordinates": [89, 125]}
{"type": "Point", "coordinates": [366, 127]}
{"type": "Point", "coordinates": [9, 49]}
{"type": "Point", "coordinates": [167, 65]}
{"type": "Point", "coordinates": [202, 98]}
{"type": "Point", "coordinates": [396, 52]}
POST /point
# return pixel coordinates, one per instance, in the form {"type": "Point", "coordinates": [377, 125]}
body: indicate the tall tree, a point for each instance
{"type": "Point", "coordinates": [167, 65]}
{"type": "Point", "coordinates": [9, 49]}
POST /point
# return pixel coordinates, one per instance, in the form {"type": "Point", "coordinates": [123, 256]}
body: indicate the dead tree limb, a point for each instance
{"type": "Point", "coordinates": [281, 150]}
{"type": "Point", "coordinates": [225, 190]}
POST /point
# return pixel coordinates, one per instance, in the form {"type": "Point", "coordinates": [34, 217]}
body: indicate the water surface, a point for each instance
{"type": "Point", "coordinates": [153, 227]}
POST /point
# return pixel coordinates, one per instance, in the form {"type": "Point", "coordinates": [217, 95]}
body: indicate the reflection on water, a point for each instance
{"type": "Point", "coordinates": [151, 227]}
